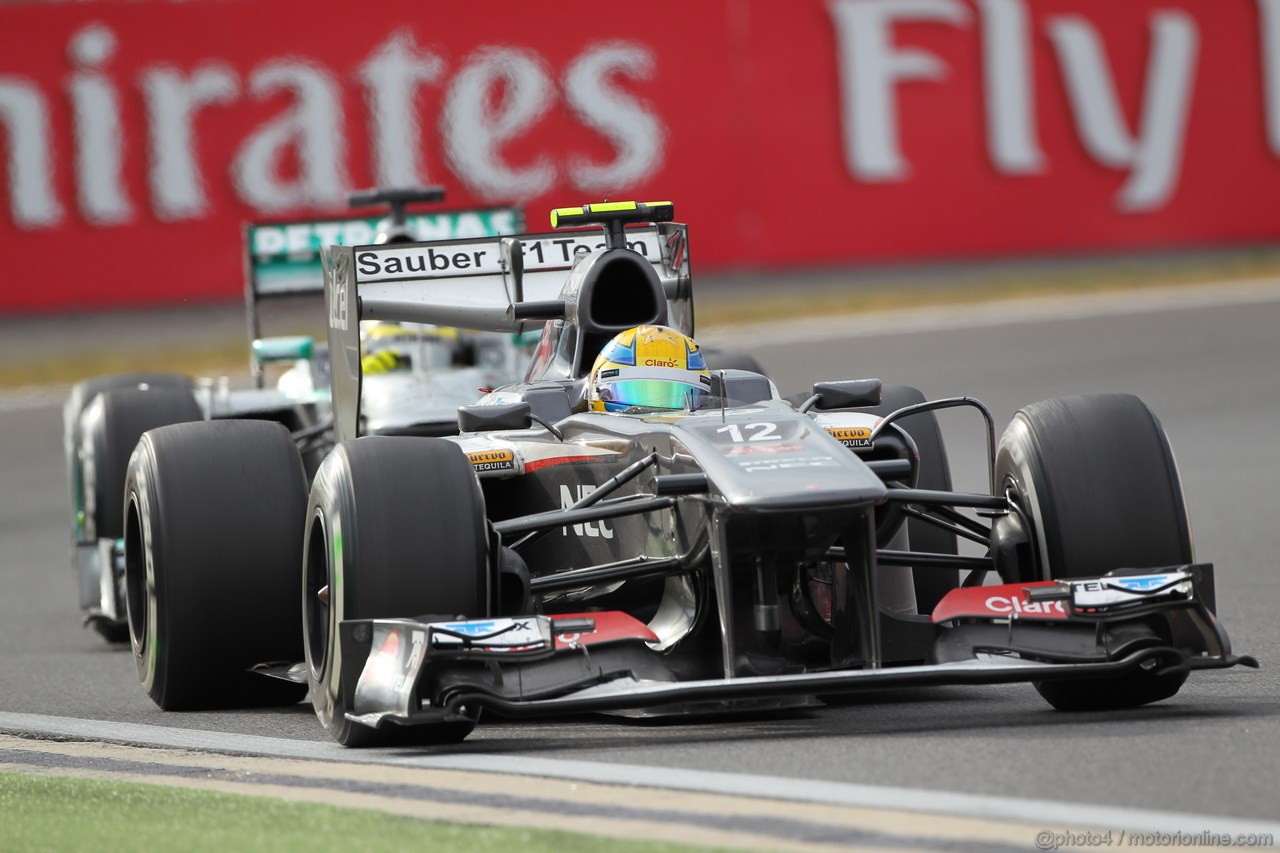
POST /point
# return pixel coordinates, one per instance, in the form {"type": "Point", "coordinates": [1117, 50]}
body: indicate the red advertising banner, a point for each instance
{"type": "Point", "coordinates": [136, 138]}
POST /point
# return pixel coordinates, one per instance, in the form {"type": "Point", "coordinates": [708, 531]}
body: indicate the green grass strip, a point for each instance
{"type": "Point", "coordinates": [52, 813]}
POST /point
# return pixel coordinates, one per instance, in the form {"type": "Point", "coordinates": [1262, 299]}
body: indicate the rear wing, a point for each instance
{"type": "Point", "coordinates": [473, 284]}
{"type": "Point", "coordinates": [282, 259]}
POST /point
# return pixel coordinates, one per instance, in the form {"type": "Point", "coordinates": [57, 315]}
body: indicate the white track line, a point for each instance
{"type": "Point", "coordinates": [1034, 812]}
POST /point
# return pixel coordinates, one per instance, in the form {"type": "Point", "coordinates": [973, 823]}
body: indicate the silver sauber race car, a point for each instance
{"type": "Point", "coordinates": [631, 530]}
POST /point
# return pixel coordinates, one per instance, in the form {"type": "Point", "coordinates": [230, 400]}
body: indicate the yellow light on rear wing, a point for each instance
{"type": "Point", "coordinates": [603, 213]}
{"type": "Point", "coordinates": [614, 216]}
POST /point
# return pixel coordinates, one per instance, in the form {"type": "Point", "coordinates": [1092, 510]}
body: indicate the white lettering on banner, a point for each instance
{"type": "Point", "coordinates": [391, 79]}
{"type": "Point", "coordinates": [474, 126]}
{"type": "Point", "coordinates": [1269, 24]}
{"type": "Point", "coordinates": [1154, 154]}
{"type": "Point", "coordinates": [633, 130]}
{"type": "Point", "coordinates": [1007, 89]}
{"type": "Point", "coordinates": [26, 121]}
{"type": "Point", "coordinates": [313, 127]}
{"type": "Point", "coordinates": [474, 134]}
{"type": "Point", "coordinates": [99, 140]}
{"type": "Point", "coordinates": [500, 94]}
{"type": "Point", "coordinates": [870, 67]}
{"type": "Point", "coordinates": [173, 102]}
{"type": "Point", "coordinates": [593, 529]}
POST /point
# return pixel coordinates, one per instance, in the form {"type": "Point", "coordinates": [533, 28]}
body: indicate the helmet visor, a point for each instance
{"type": "Point", "coordinates": [650, 393]}
{"type": "Point", "coordinates": [622, 388]}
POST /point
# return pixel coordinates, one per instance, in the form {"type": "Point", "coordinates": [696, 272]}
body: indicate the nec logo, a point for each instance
{"type": "Point", "coordinates": [593, 530]}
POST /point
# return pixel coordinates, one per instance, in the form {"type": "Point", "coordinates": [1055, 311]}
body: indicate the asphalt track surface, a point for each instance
{"type": "Point", "coordinates": [1211, 373]}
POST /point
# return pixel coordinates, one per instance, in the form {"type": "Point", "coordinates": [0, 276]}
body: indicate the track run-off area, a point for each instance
{"type": "Point", "coordinates": [984, 768]}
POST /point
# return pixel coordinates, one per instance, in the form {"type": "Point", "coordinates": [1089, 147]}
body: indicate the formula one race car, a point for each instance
{"type": "Point", "coordinates": [422, 374]}
{"type": "Point", "coordinates": [629, 531]}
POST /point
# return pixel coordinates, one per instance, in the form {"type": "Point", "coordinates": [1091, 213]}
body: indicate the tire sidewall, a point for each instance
{"type": "Point", "coordinates": [1019, 474]}
{"type": "Point", "coordinates": [330, 508]}
{"type": "Point", "coordinates": [141, 605]}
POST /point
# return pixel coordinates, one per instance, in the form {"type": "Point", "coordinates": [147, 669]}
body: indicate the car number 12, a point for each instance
{"type": "Point", "coordinates": [762, 431]}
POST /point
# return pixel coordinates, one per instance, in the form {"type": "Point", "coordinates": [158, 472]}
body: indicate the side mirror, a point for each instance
{"type": "Point", "coordinates": [292, 348]}
{"type": "Point", "coordinates": [485, 418]}
{"type": "Point", "coordinates": [530, 311]}
{"type": "Point", "coordinates": [847, 394]}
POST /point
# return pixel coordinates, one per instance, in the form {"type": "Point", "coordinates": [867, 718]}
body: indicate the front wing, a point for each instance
{"type": "Point", "coordinates": [409, 672]}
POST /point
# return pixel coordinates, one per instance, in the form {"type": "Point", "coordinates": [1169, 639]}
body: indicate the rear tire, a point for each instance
{"type": "Point", "coordinates": [82, 394]}
{"type": "Point", "coordinates": [109, 428]}
{"type": "Point", "coordinates": [112, 425]}
{"type": "Point", "coordinates": [1097, 482]}
{"type": "Point", "coordinates": [213, 542]}
{"type": "Point", "coordinates": [411, 541]}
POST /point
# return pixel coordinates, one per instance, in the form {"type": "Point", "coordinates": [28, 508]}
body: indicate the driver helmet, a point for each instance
{"type": "Point", "coordinates": [648, 367]}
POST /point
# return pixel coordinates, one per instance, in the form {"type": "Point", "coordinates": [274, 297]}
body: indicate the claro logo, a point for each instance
{"type": "Point", "coordinates": [1013, 605]}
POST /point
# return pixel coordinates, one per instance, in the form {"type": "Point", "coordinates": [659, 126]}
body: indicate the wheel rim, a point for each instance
{"type": "Point", "coordinates": [140, 598]}
{"type": "Point", "coordinates": [135, 570]}
{"type": "Point", "coordinates": [1027, 510]}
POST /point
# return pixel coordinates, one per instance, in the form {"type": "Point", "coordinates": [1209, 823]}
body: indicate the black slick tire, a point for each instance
{"type": "Point", "coordinates": [1096, 479]}
{"type": "Point", "coordinates": [112, 424]}
{"type": "Point", "coordinates": [213, 542]}
{"type": "Point", "coordinates": [82, 394]}
{"type": "Point", "coordinates": [109, 428]}
{"type": "Point", "coordinates": [411, 541]}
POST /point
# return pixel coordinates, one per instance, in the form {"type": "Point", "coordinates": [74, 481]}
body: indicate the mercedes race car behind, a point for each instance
{"type": "Point", "coordinates": [104, 417]}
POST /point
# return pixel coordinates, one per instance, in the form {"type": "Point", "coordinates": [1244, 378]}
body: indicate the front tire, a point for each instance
{"type": "Point", "coordinates": [395, 528]}
{"type": "Point", "coordinates": [213, 542]}
{"type": "Point", "coordinates": [1096, 480]}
